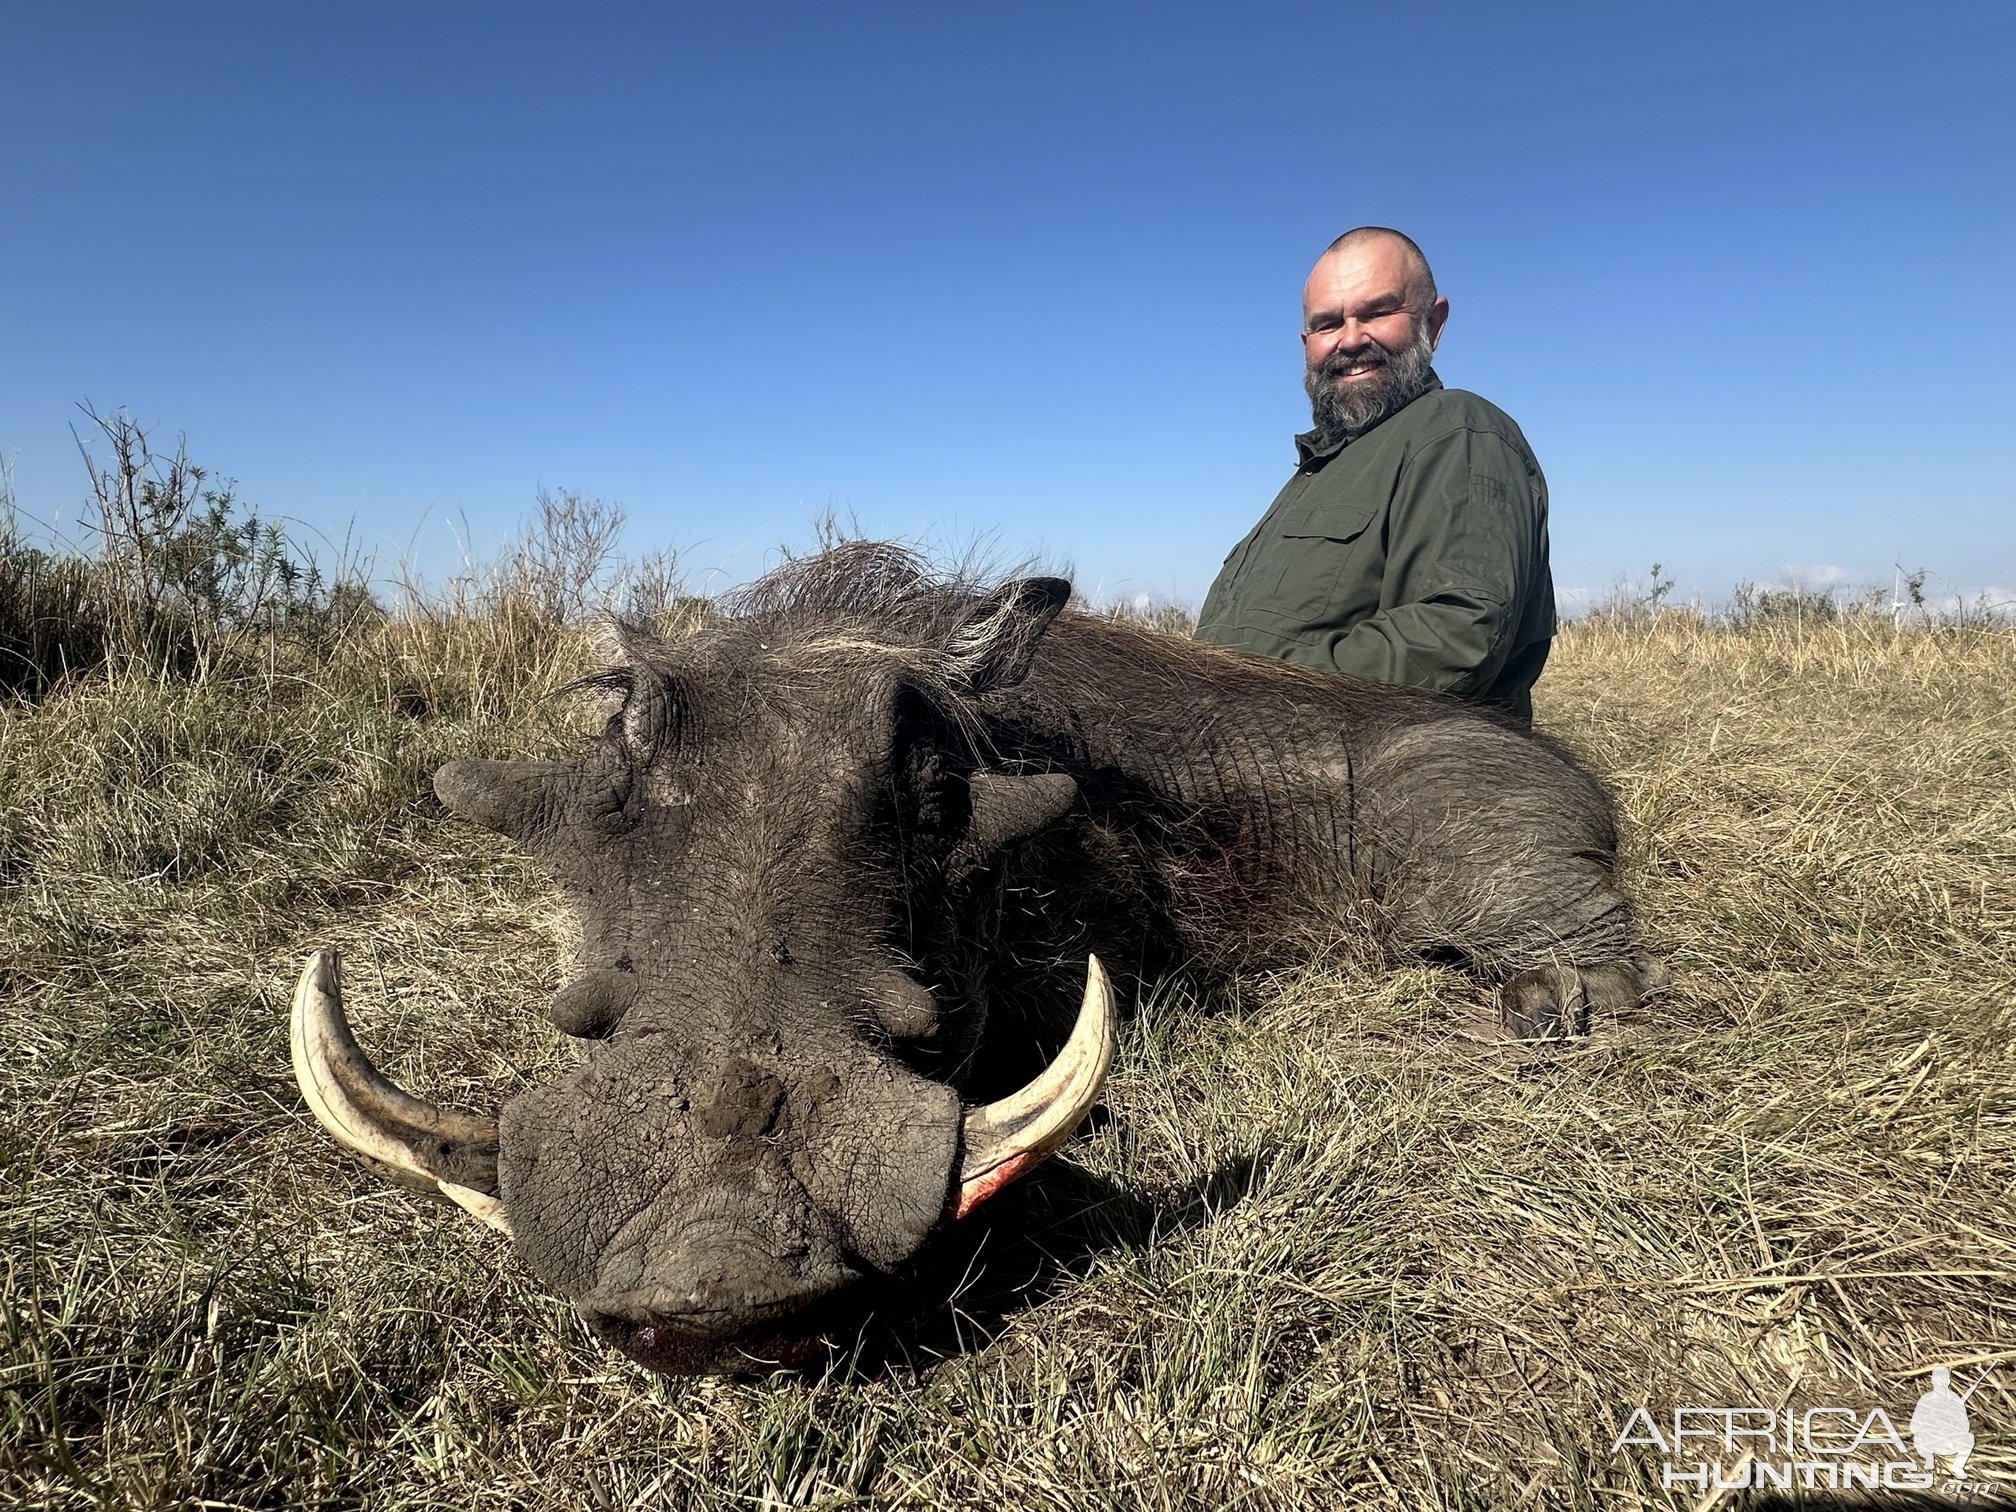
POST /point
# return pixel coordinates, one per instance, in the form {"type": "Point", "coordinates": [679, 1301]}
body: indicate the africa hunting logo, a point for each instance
{"type": "Point", "coordinates": [1830, 1448]}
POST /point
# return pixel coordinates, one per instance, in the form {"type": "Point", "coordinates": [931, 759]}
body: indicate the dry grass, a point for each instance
{"type": "Point", "coordinates": [1328, 1250]}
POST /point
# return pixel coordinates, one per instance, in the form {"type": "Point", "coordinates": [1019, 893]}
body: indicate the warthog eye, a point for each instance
{"type": "Point", "coordinates": [606, 693]}
{"type": "Point", "coordinates": [607, 803]}
{"type": "Point", "coordinates": [642, 708]}
{"type": "Point", "coordinates": [609, 784]}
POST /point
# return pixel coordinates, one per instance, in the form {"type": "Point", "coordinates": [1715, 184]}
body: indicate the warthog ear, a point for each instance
{"type": "Point", "coordinates": [641, 699]}
{"type": "Point", "coordinates": [1007, 809]}
{"type": "Point", "coordinates": [993, 646]}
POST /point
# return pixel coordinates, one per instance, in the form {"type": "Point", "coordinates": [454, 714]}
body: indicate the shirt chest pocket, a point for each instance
{"type": "Point", "coordinates": [1328, 567]}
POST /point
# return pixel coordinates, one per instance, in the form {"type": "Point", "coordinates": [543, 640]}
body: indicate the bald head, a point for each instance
{"type": "Point", "coordinates": [1421, 277]}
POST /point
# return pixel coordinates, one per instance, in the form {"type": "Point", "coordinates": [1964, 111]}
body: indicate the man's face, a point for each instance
{"type": "Point", "coordinates": [1367, 340]}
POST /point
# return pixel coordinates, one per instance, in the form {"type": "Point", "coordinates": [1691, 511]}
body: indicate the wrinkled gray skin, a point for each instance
{"type": "Point", "coordinates": [827, 844]}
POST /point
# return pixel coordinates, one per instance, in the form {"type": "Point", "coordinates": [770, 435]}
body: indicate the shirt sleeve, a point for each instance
{"type": "Point", "coordinates": [1463, 542]}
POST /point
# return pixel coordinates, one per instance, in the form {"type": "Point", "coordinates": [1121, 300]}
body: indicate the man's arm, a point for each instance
{"type": "Point", "coordinates": [1463, 554]}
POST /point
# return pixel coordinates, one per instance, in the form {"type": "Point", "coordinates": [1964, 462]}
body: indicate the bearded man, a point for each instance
{"type": "Point", "coordinates": [1410, 546]}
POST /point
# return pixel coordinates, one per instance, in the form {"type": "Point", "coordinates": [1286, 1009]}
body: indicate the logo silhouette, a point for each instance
{"type": "Point", "coordinates": [1939, 1422]}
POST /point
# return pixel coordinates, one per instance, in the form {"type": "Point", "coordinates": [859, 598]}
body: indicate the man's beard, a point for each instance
{"type": "Point", "coordinates": [1346, 411]}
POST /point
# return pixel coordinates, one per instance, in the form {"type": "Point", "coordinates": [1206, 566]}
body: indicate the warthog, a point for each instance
{"type": "Point", "coordinates": [823, 846]}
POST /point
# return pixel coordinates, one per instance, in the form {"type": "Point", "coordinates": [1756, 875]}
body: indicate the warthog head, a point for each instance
{"type": "Point", "coordinates": [780, 851]}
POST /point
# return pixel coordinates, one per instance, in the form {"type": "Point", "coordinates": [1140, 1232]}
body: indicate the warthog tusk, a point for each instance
{"type": "Point", "coordinates": [1005, 1139]}
{"type": "Point", "coordinates": [416, 1143]}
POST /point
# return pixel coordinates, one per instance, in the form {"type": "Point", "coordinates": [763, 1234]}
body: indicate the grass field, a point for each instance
{"type": "Point", "coordinates": [1332, 1247]}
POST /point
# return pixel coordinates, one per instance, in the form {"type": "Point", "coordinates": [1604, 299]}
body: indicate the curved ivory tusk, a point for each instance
{"type": "Point", "coordinates": [1005, 1139]}
{"type": "Point", "coordinates": [418, 1144]}
{"type": "Point", "coordinates": [481, 1206]}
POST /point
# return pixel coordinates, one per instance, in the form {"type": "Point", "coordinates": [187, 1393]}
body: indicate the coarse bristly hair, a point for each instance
{"type": "Point", "coordinates": [874, 600]}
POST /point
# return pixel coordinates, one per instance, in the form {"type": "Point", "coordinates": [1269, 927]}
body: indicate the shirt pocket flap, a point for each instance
{"type": "Point", "coordinates": [1326, 568]}
{"type": "Point", "coordinates": [1330, 524]}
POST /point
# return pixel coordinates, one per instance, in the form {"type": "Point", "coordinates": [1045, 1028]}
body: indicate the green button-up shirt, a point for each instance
{"type": "Point", "coordinates": [1415, 554]}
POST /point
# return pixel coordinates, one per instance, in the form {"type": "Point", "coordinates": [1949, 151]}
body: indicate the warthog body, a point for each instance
{"type": "Point", "coordinates": [824, 842]}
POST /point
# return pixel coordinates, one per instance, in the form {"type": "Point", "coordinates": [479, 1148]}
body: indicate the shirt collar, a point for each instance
{"type": "Point", "coordinates": [1314, 444]}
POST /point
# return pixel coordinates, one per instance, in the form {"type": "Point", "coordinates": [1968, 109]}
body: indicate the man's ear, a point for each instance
{"type": "Point", "coordinates": [1438, 315]}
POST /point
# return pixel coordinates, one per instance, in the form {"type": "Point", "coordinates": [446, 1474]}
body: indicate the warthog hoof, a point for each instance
{"type": "Point", "coordinates": [1557, 1002]}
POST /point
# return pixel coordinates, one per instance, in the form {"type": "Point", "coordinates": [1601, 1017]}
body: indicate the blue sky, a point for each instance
{"type": "Point", "coordinates": [1027, 273]}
